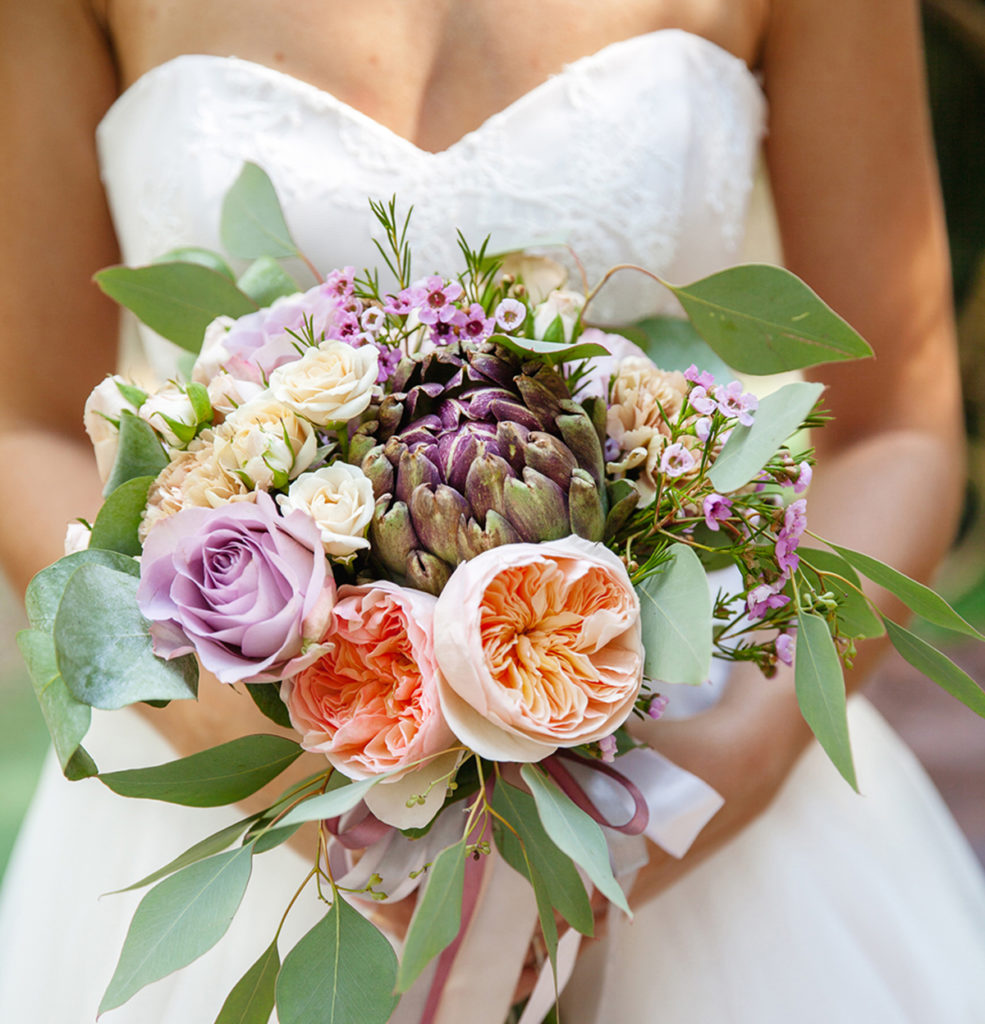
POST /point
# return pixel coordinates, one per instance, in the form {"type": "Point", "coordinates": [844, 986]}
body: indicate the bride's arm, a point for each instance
{"type": "Point", "coordinates": [855, 185]}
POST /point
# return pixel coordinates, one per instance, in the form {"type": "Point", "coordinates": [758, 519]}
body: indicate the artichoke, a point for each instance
{"type": "Point", "coordinates": [473, 448]}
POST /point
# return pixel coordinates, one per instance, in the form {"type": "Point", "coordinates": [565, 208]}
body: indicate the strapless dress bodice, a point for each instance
{"type": "Point", "coordinates": [640, 153]}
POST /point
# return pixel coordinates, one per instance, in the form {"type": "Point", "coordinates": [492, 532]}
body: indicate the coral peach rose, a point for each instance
{"type": "Point", "coordinates": [538, 647]}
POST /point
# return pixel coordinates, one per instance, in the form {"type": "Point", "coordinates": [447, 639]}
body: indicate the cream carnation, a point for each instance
{"type": "Point", "coordinates": [328, 384]}
{"type": "Point", "coordinates": [340, 499]}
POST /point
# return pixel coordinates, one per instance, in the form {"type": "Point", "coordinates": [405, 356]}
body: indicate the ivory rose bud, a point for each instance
{"type": "Point", "coordinates": [266, 441]}
{"type": "Point", "coordinates": [244, 588]}
{"type": "Point", "coordinates": [561, 303]}
{"type": "Point", "coordinates": [329, 384]}
{"type": "Point", "coordinates": [227, 393]}
{"type": "Point", "coordinates": [540, 275]}
{"type": "Point", "coordinates": [339, 498]}
{"type": "Point", "coordinates": [169, 402]}
{"type": "Point", "coordinates": [539, 647]}
{"type": "Point", "coordinates": [77, 537]}
{"type": "Point", "coordinates": [102, 412]}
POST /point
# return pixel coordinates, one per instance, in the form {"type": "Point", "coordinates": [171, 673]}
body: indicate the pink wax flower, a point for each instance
{"type": "Point", "coordinates": [785, 648]}
{"type": "Point", "coordinates": [539, 647]}
{"type": "Point", "coordinates": [246, 589]}
{"type": "Point", "coordinates": [439, 300]}
{"type": "Point", "coordinates": [716, 510]}
{"type": "Point", "coordinates": [733, 403]}
{"type": "Point", "coordinates": [765, 597]}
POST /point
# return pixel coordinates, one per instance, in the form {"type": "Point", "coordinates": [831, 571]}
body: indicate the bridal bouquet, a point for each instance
{"type": "Point", "coordinates": [456, 540]}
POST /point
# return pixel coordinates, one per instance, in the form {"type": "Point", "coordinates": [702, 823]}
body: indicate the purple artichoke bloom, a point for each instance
{"type": "Point", "coordinates": [246, 589]}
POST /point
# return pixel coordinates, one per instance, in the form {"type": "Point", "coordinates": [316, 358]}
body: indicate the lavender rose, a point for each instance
{"type": "Point", "coordinates": [246, 589]}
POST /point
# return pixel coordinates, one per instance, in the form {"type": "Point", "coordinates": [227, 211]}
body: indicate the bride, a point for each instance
{"type": "Point", "coordinates": [629, 130]}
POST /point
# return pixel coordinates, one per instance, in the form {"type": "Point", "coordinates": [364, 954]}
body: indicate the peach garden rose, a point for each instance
{"type": "Point", "coordinates": [539, 646]}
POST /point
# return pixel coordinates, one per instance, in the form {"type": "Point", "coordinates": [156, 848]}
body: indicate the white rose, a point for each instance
{"type": "Point", "coordinates": [227, 393]}
{"type": "Point", "coordinates": [328, 384]}
{"type": "Point", "coordinates": [267, 441]}
{"type": "Point", "coordinates": [339, 498]}
{"type": "Point", "coordinates": [171, 401]}
{"type": "Point", "coordinates": [564, 304]}
{"type": "Point", "coordinates": [213, 354]}
{"type": "Point", "coordinates": [77, 537]}
{"type": "Point", "coordinates": [103, 406]}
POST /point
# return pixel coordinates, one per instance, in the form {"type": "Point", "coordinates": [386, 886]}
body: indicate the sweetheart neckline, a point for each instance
{"type": "Point", "coordinates": [304, 87]}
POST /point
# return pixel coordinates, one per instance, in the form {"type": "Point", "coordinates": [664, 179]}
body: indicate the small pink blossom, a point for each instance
{"type": "Point", "coordinates": [477, 326]}
{"type": "Point", "coordinates": [657, 706]}
{"type": "Point", "coordinates": [676, 460]}
{"type": "Point", "coordinates": [608, 747]}
{"type": "Point", "coordinates": [439, 300]}
{"type": "Point", "coordinates": [700, 377]}
{"type": "Point", "coordinates": [765, 597]}
{"type": "Point", "coordinates": [785, 648]}
{"type": "Point", "coordinates": [803, 478]}
{"type": "Point", "coordinates": [510, 314]}
{"type": "Point", "coordinates": [716, 509]}
{"type": "Point", "coordinates": [733, 403]}
{"type": "Point", "coordinates": [702, 428]}
{"type": "Point", "coordinates": [701, 401]}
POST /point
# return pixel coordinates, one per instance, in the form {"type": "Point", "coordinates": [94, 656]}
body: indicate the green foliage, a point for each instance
{"type": "Point", "coordinates": [748, 449]}
{"type": "Point", "coordinates": [574, 832]}
{"type": "Point", "coordinates": [103, 646]}
{"type": "Point", "coordinates": [552, 352]}
{"type": "Point", "coordinates": [220, 775]}
{"type": "Point", "coordinates": [796, 330]}
{"type": "Point", "coordinates": [855, 616]}
{"type": "Point", "coordinates": [252, 999]}
{"type": "Point", "coordinates": [252, 223]}
{"type": "Point", "coordinates": [673, 344]}
{"type": "Point", "coordinates": [265, 280]}
{"type": "Point", "coordinates": [45, 591]}
{"type": "Point", "coordinates": [821, 692]}
{"type": "Point", "coordinates": [675, 614]}
{"type": "Point", "coordinates": [331, 804]}
{"type": "Point", "coordinates": [177, 921]}
{"type": "Point", "coordinates": [266, 696]}
{"type": "Point", "coordinates": [437, 916]}
{"type": "Point", "coordinates": [203, 257]}
{"type": "Point", "coordinates": [342, 972]}
{"type": "Point", "coordinates": [177, 300]}
{"type": "Point", "coordinates": [115, 528]}
{"type": "Point", "coordinates": [138, 454]}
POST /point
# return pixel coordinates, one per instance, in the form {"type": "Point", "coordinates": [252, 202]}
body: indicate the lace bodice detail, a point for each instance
{"type": "Point", "coordinates": [641, 153]}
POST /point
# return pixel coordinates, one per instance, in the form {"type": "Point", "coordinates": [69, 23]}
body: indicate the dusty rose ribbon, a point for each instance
{"type": "Point", "coordinates": [641, 813]}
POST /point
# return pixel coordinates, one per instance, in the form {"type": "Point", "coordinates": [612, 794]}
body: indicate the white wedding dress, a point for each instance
{"type": "Point", "coordinates": [832, 907]}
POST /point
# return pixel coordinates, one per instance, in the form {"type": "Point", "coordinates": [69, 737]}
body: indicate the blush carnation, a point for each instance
{"type": "Point", "coordinates": [247, 590]}
{"type": "Point", "coordinates": [539, 647]}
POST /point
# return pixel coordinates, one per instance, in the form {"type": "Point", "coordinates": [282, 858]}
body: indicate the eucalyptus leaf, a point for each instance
{"type": "Point", "coordinates": [44, 592]}
{"type": "Point", "coordinates": [564, 887]}
{"type": "Point", "coordinates": [220, 775]}
{"type": "Point", "coordinates": [855, 616]}
{"type": "Point", "coordinates": [763, 319]}
{"type": "Point", "coordinates": [274, 838]}
{"type": "Point", "coordinates": [437, 917]}
{"type": "Point", "coordinates": [574, 832]}
{"type": "Point", "coordinates": [67, 719]}
{"type": "Point", "coordinates": [937, 666]}
{"type": "Point", "coordinates": [252, 999]}
{"type": "Point", "coordinates": [675, 613]}
{"type": "Point", "coordinates": [177, 921]}
{"type": "Point", "coordinates": [673, 344]}
{"type": "Point", "coordinates": [265, 280]}
{"type": "Point", "coordinates": [342, 972]}
{"type": "Point", "coordinates": [748, 449]}
{"type": "Point", "coordinates": [553, 351]}
{"type": "Point", "coordinates": [820, 688]}
{"type": "Point", "coordinates": [115, 528]}
{"type": "Point", "coordinates": [139, 452]}
{"type": "Point", "coordinates": [195, 254]}
{"type": "Point", "coordinates": [545, 914]}
{"type": "Point", "coordinates": [104, 648]}
{"type": "Point", "coordinates": [252, 223]}
{"type": "Point", "coordinates": [266, 696]}
{"type": "Point", "coordinates": [919, 599]}
{"type": "Point", "coordinates": [177, 300]}
{"type": "Point", "coordinates": [330, 804]}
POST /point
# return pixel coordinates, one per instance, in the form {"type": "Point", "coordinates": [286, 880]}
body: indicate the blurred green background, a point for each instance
{"type": "Point", "coordinates": [949, 739]}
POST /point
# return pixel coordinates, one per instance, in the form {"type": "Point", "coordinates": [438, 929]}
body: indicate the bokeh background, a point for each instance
{"type": "Point", "coordinates": [948, 738]}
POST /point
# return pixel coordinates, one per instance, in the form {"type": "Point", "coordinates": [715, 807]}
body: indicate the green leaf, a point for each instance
{"type": "Point", "coordinates": [104, 648]}
{"type": "Point", "coordinates": [134, 395]}
{"type": "Point", "coordinates": [208, 847]}
{"type": "Point", "coordinates": [330, 804]}
{"type": "Point", "coordinates": [763, 319]}
{"type": "Point", "coordinates": [177, 300]}
{"type": "Point", "coordinates": [139, 453]}
{"type": "Point", "coordinates": [673, 344]}
{"type": "Point", "coordinates": [265, 280]}
{"type": "Point", "coordinates": [274, 838]}
{"type": "Point", "coordinates": [563, 885]}
{"type": "Point", "coordinates": [67, 719]}
{"type": "Point", "coordinates": [820, 689]}
{"type": "Point", "coordinates": [574, 832]}
{"type": "Point", "coordinates": [252, 1000]}
{"type": "Point", "coordinates": [252, 223]}
{"type": "Point", "coordinates": [855, 616]}
{"type": "Point", "coordinates": [937, 666]}
{"type": "Point", "coordinates": [437, 917]}
{"type": "Point", "coordinates": [266, 696]}
{"type": "Point", "coordinates": [220, 775]}
{"type": "Point", "coordinates": [198, 395]}
{"type": "Point", "coordinates": [675, 613]}
{"type": "Point", "coordinates": [342, 972]}
{"type": "Point", "coordinates": [177, 921]}
{"type": "Point", "coordinates": [553, 352]}
{"type": "Point", "coordinates": [545, 914]}
{"type": "Point", "coordinates": [203, 257]}
{"type": "Point", "coordinates": [115, 528]}
{"type": "Point", "coordinates": [44, 592]}
{"type": "Point", "coordinates": [748, 449]}
{"type": "Point", "coordinates": [919, 599]}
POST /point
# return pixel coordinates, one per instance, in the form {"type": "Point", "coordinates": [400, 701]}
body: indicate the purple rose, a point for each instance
{"type": "Point", "coordinates": [246, 589]}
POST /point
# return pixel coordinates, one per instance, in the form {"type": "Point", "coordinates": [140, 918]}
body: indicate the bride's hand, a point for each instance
{"type": "Point", "coordinates": [744, 747]}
